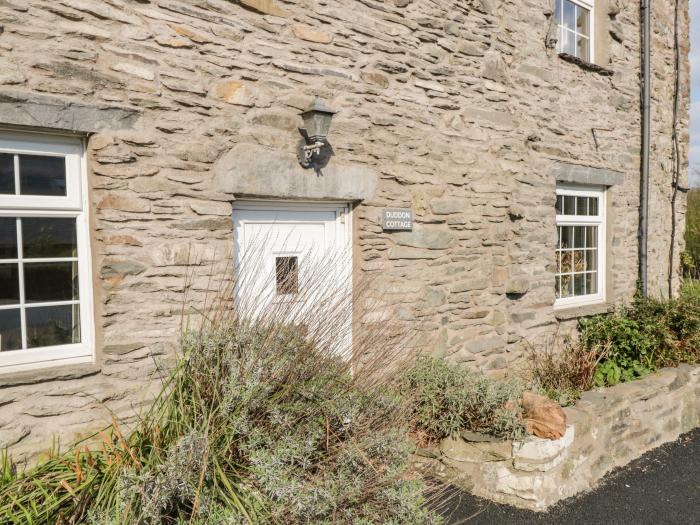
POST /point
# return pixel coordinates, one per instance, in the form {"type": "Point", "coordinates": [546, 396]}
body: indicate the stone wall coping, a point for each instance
{"type": "Point", "coordinates": [248, 170]}
{"type": "Point", "coordinates": [59, 373]}
{"type": "Point", "coordinates": [52, 113]}
{"type": "Point", "coordinates": [580, 174]}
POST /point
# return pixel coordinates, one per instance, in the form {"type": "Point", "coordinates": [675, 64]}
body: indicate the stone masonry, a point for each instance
{"type": "Point", "coordinates": [459, 107]}
{"type": "Point", "coordinates": [607, 429]}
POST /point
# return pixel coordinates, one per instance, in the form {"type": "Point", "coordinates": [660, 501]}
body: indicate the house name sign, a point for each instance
{"type": "Point", "coordinates": [397, 219]}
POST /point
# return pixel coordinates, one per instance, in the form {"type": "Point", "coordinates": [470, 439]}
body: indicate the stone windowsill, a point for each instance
{"type": "Point", "coordinates": [574, 312]}
{"type": "Point", "coordinates": [59, 373]}
{"type": "Point", "coordinates": [587, 66]}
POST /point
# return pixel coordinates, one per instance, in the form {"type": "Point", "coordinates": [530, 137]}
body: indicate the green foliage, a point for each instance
{"type": "Point", "coordinates": [8, 471]}
{"type": "Point", "coordinates": [691, 257]}
{"type": "Point", "coordinates": [630, 336]}
{"type": "Point", "coordinates": [447, 398]}
{"type": "Point", "coordinates": [635, 340]}
{"type": "Point", "coordinates": [563, 396]}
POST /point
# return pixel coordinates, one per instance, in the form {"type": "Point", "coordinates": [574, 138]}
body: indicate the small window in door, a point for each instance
{"type": "Point", "coordinates": [287, 275]}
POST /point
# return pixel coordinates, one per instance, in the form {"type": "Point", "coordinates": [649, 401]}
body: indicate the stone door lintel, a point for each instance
{"type": "Point", "coordinates": [249, 170]}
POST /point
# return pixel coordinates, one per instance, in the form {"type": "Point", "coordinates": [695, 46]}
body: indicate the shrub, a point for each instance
{"type": "Point", "coordinates": [691, 257]}
{"type": "Point", "coordinates": [631, 335]}
{"type": "Point", "coordinates": [644, 336]}
{"type": "Point", "coordinates": [261, 422]}
{"type": "Point", "coordinates": [562, 374]}
{"type": "Point", "coordinates": [448, 398]}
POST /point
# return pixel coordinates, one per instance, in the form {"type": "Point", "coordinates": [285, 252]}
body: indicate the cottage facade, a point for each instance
{"type": "Point", "coordinates": [140, 139]}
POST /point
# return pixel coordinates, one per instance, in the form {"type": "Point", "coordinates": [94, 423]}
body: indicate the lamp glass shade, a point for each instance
{"type": "Point", "coordinates": [317, 119]}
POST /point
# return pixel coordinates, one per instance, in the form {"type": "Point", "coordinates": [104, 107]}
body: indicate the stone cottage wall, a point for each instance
{"type": "Point", "coordinates": [459, 106]}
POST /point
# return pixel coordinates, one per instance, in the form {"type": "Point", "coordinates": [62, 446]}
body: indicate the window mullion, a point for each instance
{"type": "Point", "coordinates": [16, 166]}
{"type": "Point", "coordinates": [20, 271]}
{"type": "Point", "coordinates": [585, 260]}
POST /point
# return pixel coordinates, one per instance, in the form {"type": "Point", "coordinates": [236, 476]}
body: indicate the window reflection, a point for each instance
{"type": "Point", "coordinates": [41, 175]}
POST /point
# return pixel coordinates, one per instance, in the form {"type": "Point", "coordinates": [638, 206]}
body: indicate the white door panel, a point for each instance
{"type": "Point", "coordinates": [291, 252]}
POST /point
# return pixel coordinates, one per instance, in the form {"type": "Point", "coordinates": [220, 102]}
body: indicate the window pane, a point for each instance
{"type": "Point", "coordinates": [581, 205]}
{"type": "Point", "coordinates": [593, 206]}
{"type": "Point", "coordinates": [583, 47]}
{"type": "Point", "coordinates": [592, 283]}
{"type": "Point", "coordinates": [559, 261]}
{"type": "Point", "coordinates": [53, 325]}
{"type": "Point", "coordinates": [569, 205]}
{"type": "Point", "coordinates": [7, 174]}
{"type": "Point", "coordinates": [591, 260]}
{"type": "Point", "coordinates": [560, 204]}
{"type": "Point", "coordinates": [10, 330]}
{"type": "Point", "coordinates": [559, 229]}
{"type": "Point", "coordinates": [567, 236]}
{"type": "Point", "coordinates": [579, 261]}
{"type": "Point", "coordinates": [287, 275]}
{"type": "Point", "coordinates": [592, 236]}
{"type": "Point", "coordinates": [9, 284]}
{"type": "Point", "coordinates": [579, 284]}
{"type": "Point", "coordinates": [560, 39]}
{"type": "Point", "coordinates": [567, 285]}
{"type": "Point", "coordinates": [569, 20]}
{"type": "Point", "coordinates": [8, 238]}
{"type": "Point", "coordinates": [579, 236]}
{"type": "Point", "coordinates": [51, 281]}
{"type": "Point", "coordinates": [582, 21]}
{"type": "Point", "coordinates": [566, 262]}
{"type": "Point", "coordinates": [557, 11]}
{"type": "Point", "coordinates": [568, 42]}
{"type": "Point", "coordinates": [39, 175]}
{"type": "Point", "coordinates": [558, 294]}
{"type": "Point", "coordinates": [49, 237]}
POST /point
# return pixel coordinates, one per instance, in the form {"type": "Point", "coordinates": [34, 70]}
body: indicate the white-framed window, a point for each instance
{"type": "Point", "coordinates": [574, 19]}
{"type": "Point", "coordinates": [580, 253]}
{"type": "Point", "coordinates": [46, 315]}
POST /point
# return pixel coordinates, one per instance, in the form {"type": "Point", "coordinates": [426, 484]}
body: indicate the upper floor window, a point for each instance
{"type": "Point", "coordinates": [45, 285]}
{"type": "Point", "coordinates": [580, 275]}
{"type": "Point", "coordinates": [575, 21]}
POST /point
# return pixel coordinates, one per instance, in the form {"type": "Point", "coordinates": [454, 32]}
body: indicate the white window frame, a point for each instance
{"type": "Point", "coordinates": [586, 220]}
{"type": "Point", "coordinates": [73, 205]}
{"type": "Point", "coordinates": [585, 4]}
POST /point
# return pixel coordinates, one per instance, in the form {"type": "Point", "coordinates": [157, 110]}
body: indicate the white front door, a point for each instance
{"type": "Point", "coordinates": [291, 253]}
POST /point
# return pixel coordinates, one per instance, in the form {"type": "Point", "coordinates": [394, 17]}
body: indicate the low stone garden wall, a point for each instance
{"type": "Point", "coordinates": [606, 429]}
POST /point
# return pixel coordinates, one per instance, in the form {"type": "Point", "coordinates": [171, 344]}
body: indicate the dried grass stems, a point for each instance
{"type": "Point", "coordinates": [562, 368]}
{"type": "Point", "coordinates": [277, 412]}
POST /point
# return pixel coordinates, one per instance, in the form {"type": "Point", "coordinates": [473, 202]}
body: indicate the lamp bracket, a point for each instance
{"type": "Point", "coordinates": [313, 152]}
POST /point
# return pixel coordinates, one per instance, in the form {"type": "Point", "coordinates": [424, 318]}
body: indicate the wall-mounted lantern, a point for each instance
{"type": "Point", "coordinates": [314, 150]}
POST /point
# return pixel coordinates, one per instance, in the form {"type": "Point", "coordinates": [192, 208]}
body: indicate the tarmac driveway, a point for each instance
{"type": "Point", "coordinates": [662, 487]}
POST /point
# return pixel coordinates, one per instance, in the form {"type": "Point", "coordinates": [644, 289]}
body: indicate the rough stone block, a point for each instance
{"type": "Point", "coordinates": [430, 238]}
{"type": "Point", "coordinates": [56, 113]}
{"type": "Point", "coordinates": [542, 454]}
{"type": "Point", "coordinates": [456, 449]}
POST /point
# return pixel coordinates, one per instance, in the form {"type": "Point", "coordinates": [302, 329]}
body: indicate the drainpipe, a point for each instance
{"type": "Point", "coordinates": [646, 129]}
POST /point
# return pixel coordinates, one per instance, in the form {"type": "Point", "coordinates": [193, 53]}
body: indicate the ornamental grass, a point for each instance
{"type": "Point", "coordinates": [272, 414]}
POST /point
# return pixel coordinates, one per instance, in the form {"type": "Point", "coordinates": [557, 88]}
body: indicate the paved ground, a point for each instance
{"type": "Point", "coordinates": [662, 487]}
